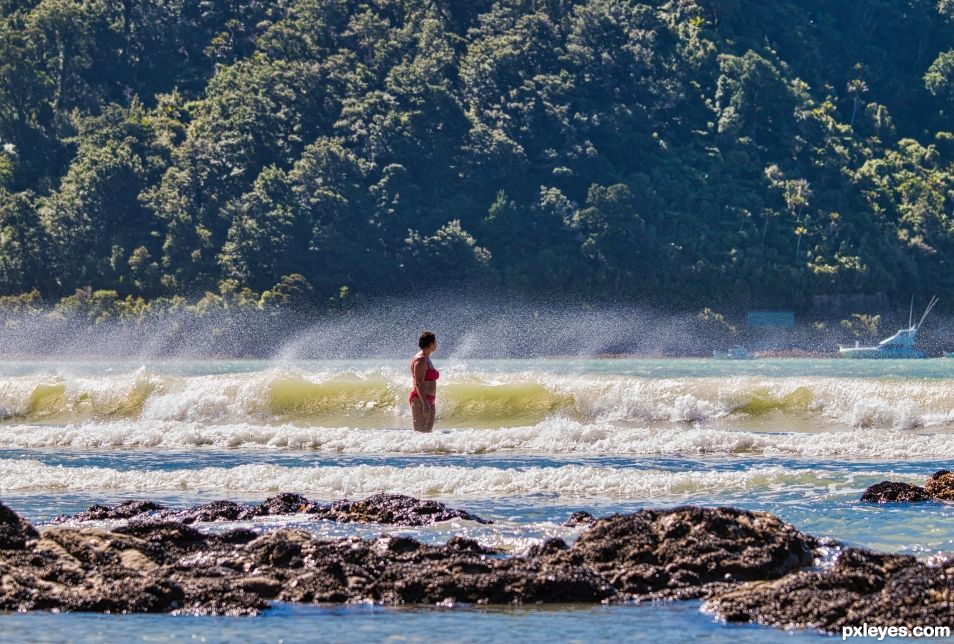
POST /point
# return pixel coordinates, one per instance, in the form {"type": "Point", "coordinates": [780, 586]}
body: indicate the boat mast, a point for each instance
{"type": "Point", "coordinates": [911, 313]}
{"type": "Point", "coordinates": [931, 305]}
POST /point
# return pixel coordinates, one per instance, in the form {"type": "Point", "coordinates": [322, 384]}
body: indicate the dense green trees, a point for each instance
{"type": "Point", "coordinates": [939, 78]}
{"type": "Point", "coordinates": [23, 245]}
{"type": "Point", "coordinates": [687, 151]}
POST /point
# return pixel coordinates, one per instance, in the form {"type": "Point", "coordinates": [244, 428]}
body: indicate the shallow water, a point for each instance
{"type": "Point", "coordinates": [675, 622]}
{"type": "Point", "coordinates": [522, 442]}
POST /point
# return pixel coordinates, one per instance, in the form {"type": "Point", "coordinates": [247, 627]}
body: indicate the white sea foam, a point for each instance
{"type": "Point", "coordinates": [556, 437]}
{"type": "Point", "coordinates": [567, 481]}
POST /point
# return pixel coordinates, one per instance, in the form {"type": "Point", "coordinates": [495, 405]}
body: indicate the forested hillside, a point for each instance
{"type": "Point", "coordinates": [692, 151]}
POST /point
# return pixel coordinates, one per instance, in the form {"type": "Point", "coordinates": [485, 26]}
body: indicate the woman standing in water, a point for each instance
{"type": "Point", "coordinates": [424, 383]}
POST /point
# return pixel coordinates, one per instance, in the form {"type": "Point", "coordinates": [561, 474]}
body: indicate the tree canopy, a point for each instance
{"type": "Point", "coordinates": [686, 151]}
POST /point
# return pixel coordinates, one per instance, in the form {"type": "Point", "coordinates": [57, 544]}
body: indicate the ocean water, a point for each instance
{"type": "Point", "coordinates": [522, 442]}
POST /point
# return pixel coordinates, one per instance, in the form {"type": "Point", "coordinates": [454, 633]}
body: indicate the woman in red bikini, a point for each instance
{"type": "Point", "coordinates": [424, 388]}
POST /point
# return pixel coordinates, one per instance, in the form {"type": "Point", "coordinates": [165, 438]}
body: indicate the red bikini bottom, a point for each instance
{"type": "Point", "coordinates": [431, 399]}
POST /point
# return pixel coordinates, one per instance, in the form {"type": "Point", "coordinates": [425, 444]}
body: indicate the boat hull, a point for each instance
{"type": "Point", "coordinates": [877, 353]}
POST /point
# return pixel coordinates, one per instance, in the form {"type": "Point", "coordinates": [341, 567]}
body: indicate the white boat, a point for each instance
{"type": "Point", "coordinates": [734, 353]}
{"type": "Point", "coordinates": [899, 346]}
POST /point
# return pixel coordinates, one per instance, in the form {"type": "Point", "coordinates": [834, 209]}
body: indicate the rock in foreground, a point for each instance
{"type": "Point", "coordinates": [390, 509]}
{"type": "Point", "coordinates": [682, 552]}
{"type": "Point", "coordinates": [578, 519]}
{"type": "Point", "coordinates": [892, 492]}
{"type": "Point", "coordinates": [156, 566]}
{"type": "Point", "coordinates": [863, 587]}
{"type": "Point", "coordinates": [750, 566]}
{"type": "Point", "coordinates": [14, 530]}
{"type": "Point", "coordinates": [393, 509]}
{"type": "Point", "coordinates": [939, 487]}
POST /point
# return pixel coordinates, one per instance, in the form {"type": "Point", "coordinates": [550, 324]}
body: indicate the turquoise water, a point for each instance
{"type": "Point", "coordinates": [646, 367]}
{"type": "Point", "coordinates": [522, 442]}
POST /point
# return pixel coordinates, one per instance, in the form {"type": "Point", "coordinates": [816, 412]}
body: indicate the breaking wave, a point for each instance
{"type": "Point", "coordinates": [556, 437]}
{"type": "Point", "coordinates": [567, 481]}
{"type": "Point", "coordinates": [376, 398]}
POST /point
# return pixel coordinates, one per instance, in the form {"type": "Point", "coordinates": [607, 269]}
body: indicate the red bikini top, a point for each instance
{"type": "Point", "coordinates": [431, 374]}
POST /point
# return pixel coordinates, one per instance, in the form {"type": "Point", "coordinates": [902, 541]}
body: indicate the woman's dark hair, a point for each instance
{"type": "Point", "coordinates": [427, 338]}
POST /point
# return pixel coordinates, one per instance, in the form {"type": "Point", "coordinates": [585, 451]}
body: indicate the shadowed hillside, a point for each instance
{"type": "Point", "coordinates": [695, 152]}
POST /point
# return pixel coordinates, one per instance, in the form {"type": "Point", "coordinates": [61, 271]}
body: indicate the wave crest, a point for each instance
{"type": "Point", "coordinates": [552, 437]}
{"type": "Point", "coordinates": [567, 481]}
{"type": "Point", "coordinates": [471, 399]}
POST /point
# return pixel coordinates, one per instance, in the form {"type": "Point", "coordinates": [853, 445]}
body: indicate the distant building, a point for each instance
{"type": "Point", "coordinates": [770, 319]}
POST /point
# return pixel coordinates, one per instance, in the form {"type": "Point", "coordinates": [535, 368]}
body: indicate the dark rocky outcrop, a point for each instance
{"type": "Point", "coordinates": [578, 519]}
{"type": "Point", "coordinates": [939, 487]}
{"type": "Point", "coordinates": [862, 587]}
{"type": "Point", "coordinates": [749, 566]}
{"type": "Point", "coordinates": [124, 510]}
{"type": "Point", "coordinates": [284, 503]}
{"type": "Point", "coordinates": [170, 566]}
{"type": "Point", "coordinates": [213, 511]}
{"type": "Point", "coordinates": [390, 509]}
{"type": "Point", "coordinates": [393, 509]}
{"type": "Point", "coordinates": [681, 552]}
{"type": "Point", "coordinates": [14, 531]}
{"type": "Point", "coordinates": [892, 492]}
